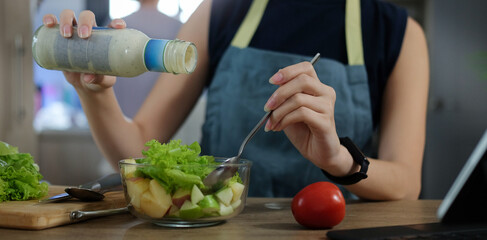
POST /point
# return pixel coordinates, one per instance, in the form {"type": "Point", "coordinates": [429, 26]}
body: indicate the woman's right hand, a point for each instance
{"type": "Point", "coordinates": [67, 19]}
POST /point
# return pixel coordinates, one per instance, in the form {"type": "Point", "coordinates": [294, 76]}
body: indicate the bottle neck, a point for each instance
{"type": "Point", "coordinates": [154, 55]}
{"type": "Point", "coordinates": [180, 56]}
{"type": "Point", "coordinates": [173, 56]}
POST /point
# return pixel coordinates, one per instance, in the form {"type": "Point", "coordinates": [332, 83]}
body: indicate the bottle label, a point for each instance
{"type": "Point", "coordinates": [154, 55]}
{"type": "Point", "coordinates": [67, 52]}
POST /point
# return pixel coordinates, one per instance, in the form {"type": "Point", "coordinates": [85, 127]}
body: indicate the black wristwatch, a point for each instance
{"type": "Point", "coordinates": [358, 157]}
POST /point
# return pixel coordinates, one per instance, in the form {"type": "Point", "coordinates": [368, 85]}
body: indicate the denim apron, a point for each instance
{"type": "Point", "coordinates": [240, 88]}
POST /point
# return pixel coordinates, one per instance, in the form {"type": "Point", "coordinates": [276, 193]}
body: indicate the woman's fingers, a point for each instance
{"type": "Point", "coordinates": [303, 83]}
{"type": "Point", "coordinates": [301, 97]}
{"type": "Point", "coordinates": [296, 103]}
{"type": "Point", "coordinates": [298, 100]}
{"type": "Point", "coordinates": [117, 23]}
{"type": "Point", "coordinates": [49, 20]}
{"type": "Point", "coordinates": [97, 82]}
{"type": "Point", "coordinates": [66, 21]}
{"type": "Point", "coordinates": [292, 110]}
{"type": "Point", "coordinates": [313, 120]}
{"type": "Point", "coordinates": [85, 23]}
{"type": "Point", "coordinates": [288, 73]}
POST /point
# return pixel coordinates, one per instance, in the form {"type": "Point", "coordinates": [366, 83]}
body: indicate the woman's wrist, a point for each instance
{"type": "Point", "coordinates": [357, 157]}
{"type": "Point", "coordinates": [345, 165]}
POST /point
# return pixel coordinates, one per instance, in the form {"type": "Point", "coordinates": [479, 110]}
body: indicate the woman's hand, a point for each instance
{"type": "Point", "coordinates": [84, 27]}
{"type": "Point", "coordinates": [304, 108]}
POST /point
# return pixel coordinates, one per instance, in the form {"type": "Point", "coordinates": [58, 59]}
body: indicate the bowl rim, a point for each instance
{"type": "Point", "coordinates": [218, 162]}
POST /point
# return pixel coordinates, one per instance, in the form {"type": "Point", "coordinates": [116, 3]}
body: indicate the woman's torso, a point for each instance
{"type": "Point", "coordinates": [239, 89]}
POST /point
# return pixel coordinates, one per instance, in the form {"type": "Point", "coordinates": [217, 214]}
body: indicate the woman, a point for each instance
{"type": "Point", "coordinates": [254, 55]}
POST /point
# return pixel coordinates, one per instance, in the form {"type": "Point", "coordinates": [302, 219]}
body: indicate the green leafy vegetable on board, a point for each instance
{"type": "Point", "coordinates": [19, 175]}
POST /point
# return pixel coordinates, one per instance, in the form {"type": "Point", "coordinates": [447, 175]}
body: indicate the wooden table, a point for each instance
{"type": "Point", "coordinates": [259, 220]}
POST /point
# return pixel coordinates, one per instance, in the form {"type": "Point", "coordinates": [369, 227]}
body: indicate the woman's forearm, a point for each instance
{"type": "Point", "coordinates": [116, 136]}
{"type": "Point", "coordinates": [388, 181]}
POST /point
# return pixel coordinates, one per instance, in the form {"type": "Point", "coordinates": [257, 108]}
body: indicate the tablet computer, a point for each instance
{"type": "Point", "coordinates": [462, 211]}
{"type": "Point", "coordinates": [467, 197]}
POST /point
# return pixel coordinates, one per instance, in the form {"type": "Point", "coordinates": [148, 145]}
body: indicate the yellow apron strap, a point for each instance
{"type": "Point", "coordinates": [249, 25]}
{"type": "Point", "coordinates": [353, 29]}
{"type": "Point", "coordinates": [353, 33]}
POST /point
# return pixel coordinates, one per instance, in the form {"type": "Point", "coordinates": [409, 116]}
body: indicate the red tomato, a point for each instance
{"type": "Point", "coordinates": [319, 205]}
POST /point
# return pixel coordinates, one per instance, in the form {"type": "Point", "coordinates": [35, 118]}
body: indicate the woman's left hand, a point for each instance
{"type": "Point", "coordinates": [304, 108]}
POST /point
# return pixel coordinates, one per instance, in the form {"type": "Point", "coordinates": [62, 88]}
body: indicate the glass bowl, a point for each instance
{"type": "Point", "coordinates": [185, 205]}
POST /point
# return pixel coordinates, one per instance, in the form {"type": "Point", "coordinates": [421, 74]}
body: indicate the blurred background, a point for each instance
{"type": "Point", "coordinates": [41, 114]}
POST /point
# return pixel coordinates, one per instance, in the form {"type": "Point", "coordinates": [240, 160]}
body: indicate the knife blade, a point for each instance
{"type": "Point", "coordinates": [57, 198]}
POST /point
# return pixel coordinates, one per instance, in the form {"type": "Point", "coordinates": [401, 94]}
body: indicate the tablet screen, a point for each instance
{"type": "Point", "coordinates": [466, 200]}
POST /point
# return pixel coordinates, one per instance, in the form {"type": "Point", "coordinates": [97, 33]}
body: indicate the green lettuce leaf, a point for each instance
{"type": "Point", "coordinates": [175, 165]}
{"type": "Point", "coordinates": [6, 149]}
{"type": "Point", "coordinates": [19, 176]}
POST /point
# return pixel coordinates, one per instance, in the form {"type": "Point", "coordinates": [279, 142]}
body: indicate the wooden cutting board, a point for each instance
{"type": "Point", "coordinates": [34, 216]}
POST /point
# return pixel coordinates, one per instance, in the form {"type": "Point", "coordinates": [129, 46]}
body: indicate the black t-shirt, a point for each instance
{"type": "Point", "coordinates": [309, 26]}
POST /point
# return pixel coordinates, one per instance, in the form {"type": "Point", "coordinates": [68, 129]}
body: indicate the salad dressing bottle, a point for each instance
{"type": "Point", "coordinates": [116, 52]}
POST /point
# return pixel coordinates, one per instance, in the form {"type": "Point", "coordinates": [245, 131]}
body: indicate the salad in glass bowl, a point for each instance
{"type": "Point", "coordinates": [166, 186]}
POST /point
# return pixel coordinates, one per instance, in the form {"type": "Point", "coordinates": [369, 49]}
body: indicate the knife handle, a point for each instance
{"type": "Point", "coordinates": [107, 182]}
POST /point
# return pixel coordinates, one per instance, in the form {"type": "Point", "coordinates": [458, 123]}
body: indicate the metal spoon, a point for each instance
{"type": "Point", "coordinates": [88, 195]}
{"type": "Point", "coordinates": [226, 170]}
{"type": "Point", "coordinates": [94, 191]}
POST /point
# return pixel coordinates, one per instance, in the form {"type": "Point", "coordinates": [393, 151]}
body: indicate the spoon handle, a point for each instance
{"type": "Point", "coordinates": [76, 216]}
{"type": "Point", "coordinates": [253, 132]}
{"type": "Point", "coordinates": [264, 119]}
{"type": "Point", "coordinates": [105, 182]}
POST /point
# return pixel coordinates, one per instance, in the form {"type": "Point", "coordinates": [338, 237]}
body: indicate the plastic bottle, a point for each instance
{"type": "Point", "coordinates": [116, 52]}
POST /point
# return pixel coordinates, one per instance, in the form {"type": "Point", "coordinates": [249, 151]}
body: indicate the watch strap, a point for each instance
{"type": "Point", "coordinates": [357, 157]}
